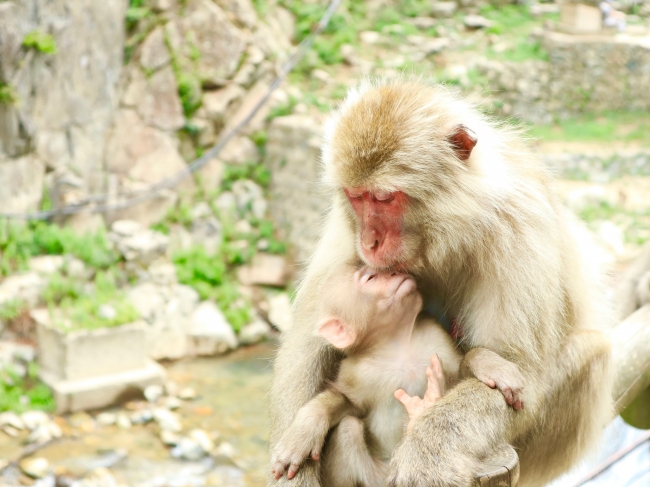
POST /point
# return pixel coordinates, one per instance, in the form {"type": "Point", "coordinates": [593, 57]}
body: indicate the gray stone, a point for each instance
{"type": "Point", "coordinates": [22, 287]}
{"type": "Point", "coordinates": [265, 269]}
{"type": "Point", "coordinates": [122, 421]}
{"type": "Point", "coordinates": [239, 151]}
{"type": "Point", "coordinates": [84, 354]}
{"type": "Point", "coordinates": [218, 105]}
{"type": "Point", "coordinates": [205, 27]}
{"type": "Point", "coordinates": [21, 183]}
{"type": "Point", "coordinates": [477, 22]}
{"type": "Point", "coordinates": [188, 449]}
{"type": "Point", "coordinates": [187, 394]}
{"type": "Point", "coordinates": [167, 420]}
{"type": "Point", "coordinates": [107, 312]}
{"type": "Point", "coordinates": [34, 419]}
{"type": "Point", "coordinates": [154, 54]}
{"type": "Point", "coordinates": [170, 438]}
{"type": "Point", "coordinates": [36, 468]}
{"type": "Point", "coordinates": [280, 311]}
{"type": "Point", "coordinates": [251, 100]}
{"type": "Point", "coordinates": [153, 393]}
{"type": "Point", "coordinates": [254, 332]}
{"type": "Point", "coordinates": [209, 333]}
{"type": "Point", "coordinates": [126, 228]}
{"type": "Point", "coordinates": [240, 12]}
{"type": "Point", "coordinates": [143, 247]}
{"type": "Point", "coordinates": [443, 9]}
{"type": "Point", "coordinates": [9, 418]}
{"type": "Point", "coordinates": [106, 419]}
{"type": "Point", "coordinates": [102, 391]}
{"type": "Point", "coordinates": [246, 193]}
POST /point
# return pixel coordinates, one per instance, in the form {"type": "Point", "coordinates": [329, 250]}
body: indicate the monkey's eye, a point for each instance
{"type": "Point", "coordinates": [354, 195]}
{"type": "Point", "coordinates": [384, 197]}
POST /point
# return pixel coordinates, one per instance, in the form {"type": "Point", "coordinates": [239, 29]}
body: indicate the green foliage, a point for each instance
{"type": "Point", "coordinates": [634, 223]}
{"type": "Point", "coordinates": [61, 287]}
{"type": "Point", "coordinates": [282, 109]}
{"type": "Point", "coordinates": [610, 126]}
{"type": "Point", "coordinates": [20, 394]}
{"type": "Point", "coordinates": [189, 90]}
{"type": "Point", "coordinates": [20, 241]}
{"type": "Point", "coordinates": [135, 13]}
{"type": "Point", "coordinates": [234, 307]}
{"type": "Point", "coordinates": [524, 50]}
{"type": "Point", "coordinates": [82, 312]}
{"type": "Point", "coordinates": [10, 310]}
{"type": "Point", "coordinates": [40, 42]}
{"type": "Point", "coordinates": [256, 172]}
{"type": "Point", "coordinates": [8, 94]}
{"type": "Point", "coordinates": [197, 269]}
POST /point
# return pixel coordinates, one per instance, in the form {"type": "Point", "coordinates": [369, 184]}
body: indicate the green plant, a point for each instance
{"type": "Point", "coordinates": [61, 287]}
{"type": "Point", "coordinates": [199, 270]}
{"type": "Point", "coordinates": [8, 94]}
{"type": "Point", "coordinates": [12, 309]}
{"type": "Point", "coordinates": [256, 172]}
{"type": "Point", "coordinates": [282, 109]}
{"type": "Point", "coordinates": [20, 394]}
{"type": "Point", "coordinates": [189, 90]}
{"type": "Point", "coordinates": [135, 13]}
{"type": "Point", "coordinates": [40, 42]}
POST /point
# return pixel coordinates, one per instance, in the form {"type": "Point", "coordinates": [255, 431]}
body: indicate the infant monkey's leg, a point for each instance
{"type": "Point", "coordinates": [435, 389]}
{"type": "Point", "coordinates": [346, 459]}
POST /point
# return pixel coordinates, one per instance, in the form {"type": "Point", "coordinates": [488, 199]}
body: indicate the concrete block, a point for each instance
{"type": "Point", "coordinates": [83, 354]}
{"type": "Point", "coordinates": [576, 18]}
{"type": "Point", "coordinates": [99, 392]}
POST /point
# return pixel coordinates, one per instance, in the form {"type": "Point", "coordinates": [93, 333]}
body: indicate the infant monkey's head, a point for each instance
{"type": "Point", "coordinates": [365, 305]}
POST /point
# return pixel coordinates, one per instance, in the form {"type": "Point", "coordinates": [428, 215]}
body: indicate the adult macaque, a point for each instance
{"type": "Point", "coordinates": [424, 184]}
{"type": "Point", "coordinates": [371, 317]}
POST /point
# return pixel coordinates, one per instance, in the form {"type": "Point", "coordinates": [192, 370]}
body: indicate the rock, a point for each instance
{"type": "Point", "coordinates": [249, 194]}
{"type": "Point", "coordinates": [240, 12]}
{"type": "Point", "coordinates": [169, 438]}
{"type": "Point", "coordinates": [107, 312]}
{"type": "Point", "coordinates": [25, 287]}
{"type": "Point", "coordinates": [434, 46]}
{"type": "Point", "coordinates": [9, 418]}
{"type": "Point", "coordinates": [162, 273]}
{"type": "Point", "coordinates": [423, 23]}
{"type": "Point", "coordinates": [40, 434]}
{"type": "Point", "coordinates": [36, 468]}
{"type": "Point", "coordinates": [154, 54]}
{"type": "Point", "coordinates": [202, 439]}
{"type": "Point", "coordinates": [240, 150]}
{"type": "Point", "coordinates": [126, 228]}
{"type": "Point", "coordinates": [280, 311]}
{"type": "Point", "coordinates": [369, 37]}
{"type": "Point", "coordinates": [218, 105]}
{"type": "Point", "coordinates": [167, 420]}
{"type": "Point", "coordinates": [225, 476]}
{"type": "Point", "coordinates": [226, 202]}
{"type": "Point", "coordinates": [265, 269]}
{"type": "Point", "coordinates": [477, 22]}
{"type": "Point", "coordinates": [225, 449]}
{"type": "Point", "coordinates": [188, 449]}
{"type": "Point", "coordinates": [122, 421]}
{"type": "Point", "coordinates": [205, 28]}
{"type": "Point", "coordinates": [34, 419]}
{"type": "Point", "coordinates": [443, 9]}
{"type": "Point", "coordinates": [46, 264]}
{"type": "Point", "coordinates": [153, 393]}
{"type": "Point", "coordinates": [76, 268]}
{"type": "Point", "coordinates": [141, 417]}
{"type": "Point", "coordinates": [143, 247]}
{"type": "Point", "coordinates": [155, 98]}
{"type": "Point", "coordinates": [187, 394]}
{"type": "Point", "coordinates": [172, 403]}
{"type": "Point", "coordinates": [209, 333]}
{"type": "Point", "coordinates": [251, 99]}
{"type": "Point", "coordinates": [254, 332]}
{"type": "Point", "coordinates": [106, 419]}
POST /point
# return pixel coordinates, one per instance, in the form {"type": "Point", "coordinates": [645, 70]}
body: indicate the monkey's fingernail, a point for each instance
{"type": "Point", "coordinates": [315, 456]}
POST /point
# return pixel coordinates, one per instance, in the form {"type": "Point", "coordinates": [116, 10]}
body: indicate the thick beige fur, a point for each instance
{"type": "Point", "coordinates": [487, 238]}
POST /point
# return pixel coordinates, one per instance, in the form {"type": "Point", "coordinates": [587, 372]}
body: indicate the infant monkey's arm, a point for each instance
{"type": "Point", "coordinates": [415, 406]}
{"type": "Point", "coordinates": [305, 436]}
{"type": "Point", "coordinates": [496, 372]}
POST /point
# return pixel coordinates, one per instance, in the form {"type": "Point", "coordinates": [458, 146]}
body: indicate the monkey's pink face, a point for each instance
{"type": "Point", "coordinates": [380, 218]}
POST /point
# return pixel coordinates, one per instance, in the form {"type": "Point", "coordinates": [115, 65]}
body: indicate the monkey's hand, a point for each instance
{"type": "Point", "coordinates": [435, 389]}
{"type": "Point", "coordinates": [448, 440]}
{"type": "Point", "coordinates": [495, 372]}
{"type": "Point", "coordinates": [303, 439]}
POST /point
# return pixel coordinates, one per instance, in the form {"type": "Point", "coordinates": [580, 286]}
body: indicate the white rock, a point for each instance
{"type": "Point", "coordinates": [369, 37]}
{"type": "Point", "coordinates": [153, 392]}
{"type": "Point", "coordinates": [280, 311]}
{"type": "Point", "coordinates": [107, 312]}
{"type": "Point", "coordinates": [35, 467]}
{"type": "Point", "coordinates": [9, 418]}
{"type": "Point", "coordinates": [226, 202]}
{"type": "Point", "coordinates": [477, 22]}
{"type": "Point", "coordinates": [202, 438]}
{"type": "Point", "coordinates": [209, 332]}
{"type": "Point", "coordinates": [141, 417]}
{"type": "Point", "coordinates": [254, 332]}
{"type": "Point", "coordinates": [167, 420]}
{"type": "Point", "coordinates": [265, 269]}
{"type": "Point", "coordinates": [144, 247]}
{"type": "Point", "coordinates": [11, 431]}
{"type": "Point", "coordinates": [75, 267]}
{"type": "Point", "coordinates": [169, 438]}
{"type": "Point", "coordinates": [106, 419]}
{"type": "Point", "coordinates": [40, 434]}
{"type": "Point", "coordinates": [187, 394]}
{"type": "Point", "coordinates": [126, 228]}
{"type": "Point", "coordinates": [55, 430]}
{"type": "Point", "coordinates": [24, 287]}
{"type": "Point", "coordinates": [162, 273]}
{"type": "Point", "coordinates": [172, 403]}
{"type": "Point", "coordinates": [46, 264]}
{"type": "Point", "coordinates": [188, 449]}
{"type": "Point", "coordinates": [122, 421]}
{"type": "Point", "coordinates": [443, 9]}
{"type": "Point", "coordinates": [225, 449]}
{"type": "Point", "coordinates": [34, 419]}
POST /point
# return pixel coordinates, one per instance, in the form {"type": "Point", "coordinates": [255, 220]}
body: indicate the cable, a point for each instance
{"type": "Point", "coordinates": [137, 197]}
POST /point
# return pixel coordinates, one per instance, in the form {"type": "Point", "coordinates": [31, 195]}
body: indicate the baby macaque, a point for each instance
{"type": "Point", "coordinates": [373, 318]}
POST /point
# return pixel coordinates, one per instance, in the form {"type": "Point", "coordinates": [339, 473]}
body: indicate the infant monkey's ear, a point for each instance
{"type": "Point", "coordinates": [338, 333]}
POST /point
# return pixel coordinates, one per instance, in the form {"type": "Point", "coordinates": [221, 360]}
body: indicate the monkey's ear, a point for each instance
{"type": "Point", "coordinates": [336, 332]}
{"type": "Point", "coordinates": [463, 140]}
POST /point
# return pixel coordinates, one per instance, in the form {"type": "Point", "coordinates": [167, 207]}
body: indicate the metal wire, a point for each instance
{"type": "Point", "coordinates": [148, 193]}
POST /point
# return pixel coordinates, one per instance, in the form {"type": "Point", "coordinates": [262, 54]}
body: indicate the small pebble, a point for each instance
{"type": "Point", "coordinates": [123, 421]}
{"type": "Point", "coordinates": [106, 419]}
{"type": "Point", "coordinates": [187, 394]}
{"type": "Point", "coordinates": [153, 393]}
{"type": "Point", "coordinates": [36, 468]}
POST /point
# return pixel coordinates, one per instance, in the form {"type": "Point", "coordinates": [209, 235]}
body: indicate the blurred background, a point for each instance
{"type": "Point", "coordinates": [139, 310]}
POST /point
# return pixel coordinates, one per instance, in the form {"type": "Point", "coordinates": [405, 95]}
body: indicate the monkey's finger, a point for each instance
{"type": "Point", "coordinates": [490, 383]}
{"type": "Point", "coordinates": [507, 393]}
{"type": "Point", "coordinates": [293, 469]}
{"type": "Point", "coordinates": [315, 455]}
{"type": "Point", "coordinates": [402, 396]}
{"type": "Point", "coordinates": [436, 364]}
{"type": "Point", "coordinates": [518, 404]}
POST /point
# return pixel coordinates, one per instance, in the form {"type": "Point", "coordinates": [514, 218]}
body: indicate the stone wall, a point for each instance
{"type": "Point", "coordinates": [583, 74]}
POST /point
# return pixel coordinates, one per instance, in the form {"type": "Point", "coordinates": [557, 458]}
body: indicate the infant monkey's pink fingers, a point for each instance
{"type": "Point", "coordinates": [315, 455]}
{"type": "Point", "coordinates": [293, 469]}
{"type": "Point", "coordinates": [436, 365]}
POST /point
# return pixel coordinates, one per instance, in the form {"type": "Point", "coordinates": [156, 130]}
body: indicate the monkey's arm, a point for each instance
{"type": "Point", "coordinates": [495, 372]}
{"type": "Point", "coordinates": [306, 435]}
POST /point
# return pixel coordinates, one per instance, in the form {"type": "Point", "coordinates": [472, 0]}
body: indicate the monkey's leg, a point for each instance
{"type": "Point", "coordinates": [471, 420]}
{"type": "Point", "coordinates": [346, 459]}
{"type": "Point", "coordinates": [301, 368]}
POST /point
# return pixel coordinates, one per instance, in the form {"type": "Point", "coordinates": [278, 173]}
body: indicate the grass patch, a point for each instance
{"type": "Point", "coordinates": [8, 94]}
{"type": "Point", "coordinates": [634, 223]}
{"type": "Point", "coordinates": [40, 42]}
{"type": "Point", "coordinates": [602, 127]}
{"type": "Point", "coordinates": [20, 394]}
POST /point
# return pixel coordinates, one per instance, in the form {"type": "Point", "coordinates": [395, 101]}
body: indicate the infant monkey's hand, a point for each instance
{"type": "Point", "coordinates": [496, 372]}
{"type": "Point", "coordinates": [415, 406]}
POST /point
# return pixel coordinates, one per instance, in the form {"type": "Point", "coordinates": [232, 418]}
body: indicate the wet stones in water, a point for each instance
{"type": "Point", "coordinates": [36, 468]}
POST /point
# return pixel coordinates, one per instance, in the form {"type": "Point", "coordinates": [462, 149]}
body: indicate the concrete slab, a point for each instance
{"type": "Point", "coordinates": [102, 391]}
